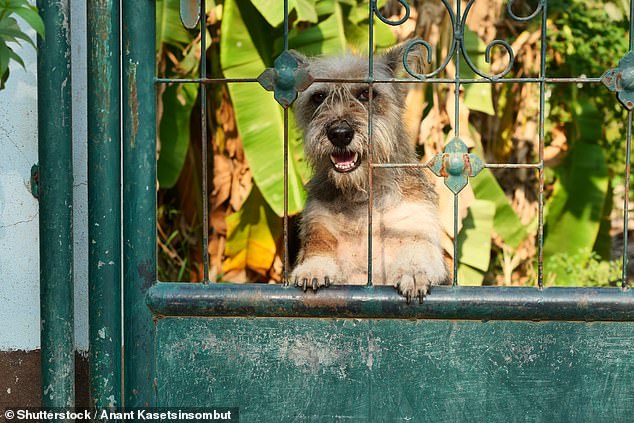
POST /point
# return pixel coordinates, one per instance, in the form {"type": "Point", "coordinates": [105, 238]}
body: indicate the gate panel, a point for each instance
{"type": "Point", "coordinates": [398, 370]}
{"type": "Point", "coordinates": [255, 348]}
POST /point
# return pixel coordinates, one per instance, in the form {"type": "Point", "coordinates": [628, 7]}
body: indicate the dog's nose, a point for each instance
{"type": "Point", "coordinates": [340, 134]}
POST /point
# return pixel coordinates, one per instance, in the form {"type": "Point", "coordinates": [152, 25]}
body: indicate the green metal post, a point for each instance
{"type": "Point", "coordinates": [56, 206]}
{"type": "Point", "coordinates": [104, 203]}
{"type": "Point", "coordinates": [139, 197]}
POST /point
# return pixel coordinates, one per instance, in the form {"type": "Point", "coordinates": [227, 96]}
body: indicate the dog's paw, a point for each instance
{"type": "Point", "coordinates": [413, 285]}
{"type": "Point", "coordinates": [315, 272]}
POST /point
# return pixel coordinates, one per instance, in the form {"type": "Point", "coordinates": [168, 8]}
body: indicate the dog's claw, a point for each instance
{"type": "Point", "coordinates": [420, 297]}
{"type": "Point", "coordinates": [305, 284]}
{"type": "Point", "coordinates": [409, 297]}
{"type": "Point", "coordinates": [296, 281]}
{"type": "Point", "coordinates": [327, 281]}
{"type": "Point", "coordinates": [315, 284]}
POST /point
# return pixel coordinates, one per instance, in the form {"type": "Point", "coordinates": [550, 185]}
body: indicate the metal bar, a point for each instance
{"type": "Point", "coordinates": [393, 80]}
{"type": "Point", "coordinates": [139, 198]}
{"type": "Point", "coordinates": [487, 165]}
{"type": "Point", "coordinates": [285, 218]}
{"type": "Point", "coordinates": [631, 25]}
{"type": "Point", "coordinates": [56, 206]}
{"type": "Point", "coordinates": [370, 143]}
{"type": "Point", "coordinates": [457, 30]}
{"type": "Point", "coordinates": [104, 203]}
{"type": "Point", "coordinates": [628, 150]}
{"type": "Point", "coordinates": [542, 87]}
{"type": "Point", "coordinates": [285, 25]}
{"type": "Point", "coordinates": [626, 200]}
{"type": "Point", "coordinates": [203, 80]}
{"type": "Point", "coordinates": [463, 302]}
{"type": "Point", "coordinates": [455, 240]}
{"type": "Point", "coordinates": [205, 146]}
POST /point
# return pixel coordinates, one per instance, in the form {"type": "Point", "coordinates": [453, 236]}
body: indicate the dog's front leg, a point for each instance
{"type": "Point", "coordinates": [417, 267]}
{"type": "Point", "coordinates": [317, 265]}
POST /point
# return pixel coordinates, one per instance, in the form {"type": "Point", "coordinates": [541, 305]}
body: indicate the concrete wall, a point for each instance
{"type": "Point", "coordinates": [19, 251]}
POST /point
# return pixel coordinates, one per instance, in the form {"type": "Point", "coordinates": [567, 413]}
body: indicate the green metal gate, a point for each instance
{"type": "Point", "coordinates": [349, 353]}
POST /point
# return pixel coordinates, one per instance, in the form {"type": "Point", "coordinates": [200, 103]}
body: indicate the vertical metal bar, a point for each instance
{"type": "Point", "coordinates": [139, 197]}
{"type": "Point", "coordinates": [459, 30]}
{"type": "Point", "coordinates": [285, 219]}
{"type": "Point", "coordinates": [370, 144]}
{"type": "Point", "coordinates": [631, 25]}
{"type": "Point", "coordinates": [104, 203]}
{"type": "Point", "coordinates": [285, 25]}
{"type": "Point", "coordinates": [455, 240]}
{"type": "Point", "coordinates": [628, 149]}
{"type": "Point", "coordinates": [626, 199]}
{"type": "Point", "coordinates": [203, 131]}
{"type": "Point", "coordinates": [542, 87]}
{"type": "Point", "coordinates": [56, 205]}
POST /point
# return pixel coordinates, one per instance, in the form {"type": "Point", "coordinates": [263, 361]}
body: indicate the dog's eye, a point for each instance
{"type": "Point", "coordinates": [318, 98]}
{"type": "Point", "coordinates": [364, 95]}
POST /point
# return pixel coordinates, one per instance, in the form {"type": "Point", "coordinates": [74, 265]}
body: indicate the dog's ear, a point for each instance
{"type": "Point", "coordinates": [392, 59]}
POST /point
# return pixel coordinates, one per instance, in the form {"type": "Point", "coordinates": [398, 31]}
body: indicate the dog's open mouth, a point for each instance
{"type": "Point", "coordinates": [345, 161]}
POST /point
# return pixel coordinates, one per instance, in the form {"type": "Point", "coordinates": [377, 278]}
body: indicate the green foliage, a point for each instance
{"type": "Point", "coordinates": [474, 242]}
{"type": "Point", "coordinates": [476, 96]}
{"type": "Point", "coordinates": [174, 132]}
{"type": "Point", "coordinates": [590, 38]}
{"type": "Point", "coordinates": [586, 267]}
{"type": "Point", "coordinates": [178, 100]}
{"type": "Point", "coordinates": [10, 32]}
{"type": "Point", "coordinates": [575, 208]}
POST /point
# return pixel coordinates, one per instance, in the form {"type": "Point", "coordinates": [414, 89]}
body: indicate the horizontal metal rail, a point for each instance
{"type": "Point", "coordinates": [563, 80]}
{"type": "Point", "coordinates": [460, 302]}
{"type": "Point", "coordinates": [487, 165]}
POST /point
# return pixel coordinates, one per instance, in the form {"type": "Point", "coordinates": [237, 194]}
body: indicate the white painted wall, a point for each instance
{"type": "Point", "coordinates": [19, 251]}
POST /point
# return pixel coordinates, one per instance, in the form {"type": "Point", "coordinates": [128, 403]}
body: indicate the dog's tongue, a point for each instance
{"type": "Point", "coordinates": [344, 158]}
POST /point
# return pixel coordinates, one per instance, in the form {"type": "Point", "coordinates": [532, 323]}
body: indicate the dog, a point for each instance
{"type": "Point", "coordinates": [333, 229]}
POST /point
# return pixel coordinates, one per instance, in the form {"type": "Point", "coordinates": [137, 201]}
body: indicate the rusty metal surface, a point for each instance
{"type": "Point", "coordinates": [56, 205]}
{"type": "Point", "coordinates": [471, 303]}
{"type": "Point", "coordinates": [104, 202]}
{"type": "Point", "coordinates": [139, 197]}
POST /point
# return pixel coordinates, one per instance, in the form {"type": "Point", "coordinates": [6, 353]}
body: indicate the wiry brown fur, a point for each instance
{"type": "Point", "coordinates": [333, 229]}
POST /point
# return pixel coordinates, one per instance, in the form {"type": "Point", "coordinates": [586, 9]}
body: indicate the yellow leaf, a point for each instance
{"type": "Point", "coordinates": [252, 235]}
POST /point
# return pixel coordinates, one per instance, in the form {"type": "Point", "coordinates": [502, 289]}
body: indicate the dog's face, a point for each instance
{"type": "Point", "coordinates": [334, 117]}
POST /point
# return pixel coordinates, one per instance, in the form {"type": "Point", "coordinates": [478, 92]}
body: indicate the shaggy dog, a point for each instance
{"type": "Point", "coordinates": [406, 250]}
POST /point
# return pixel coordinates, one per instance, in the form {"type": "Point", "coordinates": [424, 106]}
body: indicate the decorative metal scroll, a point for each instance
{"type": "Point", "coordinates": [458, 23]}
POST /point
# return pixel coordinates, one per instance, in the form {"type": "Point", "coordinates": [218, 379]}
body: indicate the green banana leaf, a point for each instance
{"type": "Point", "coordinates": [174, 132]}
{"type": "Point", "coordinates": [476, 96]}
{"type": "Point", "coordinates": [575, 209]}
{"type": "Point", "coordinates": [273, 10]}
{"type": "Point", "coordinates": [259, 117]}
{"type": "Point", "coordinates": [474, 242]}
{"type": "Point", "coordinates": [169, 29]}
{"type": "Point", "coordinates": [506, 222]}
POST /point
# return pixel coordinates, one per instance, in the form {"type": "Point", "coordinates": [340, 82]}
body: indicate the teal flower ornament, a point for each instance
{"type": "Point", "coordinates": [286, 78]}
{"type": "Point", "coordinates": [456, 165]}
{"type": "Point", "coordinates": [621, 80]}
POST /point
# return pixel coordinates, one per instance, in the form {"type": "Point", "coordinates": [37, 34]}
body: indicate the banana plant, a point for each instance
{"type": "Point", "coordinates": [10, 32]}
